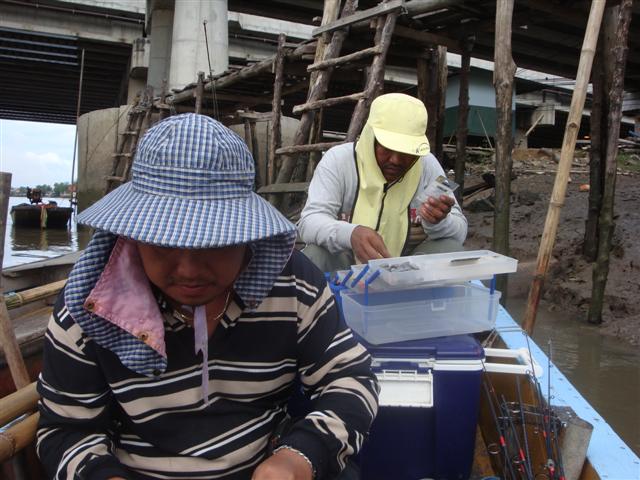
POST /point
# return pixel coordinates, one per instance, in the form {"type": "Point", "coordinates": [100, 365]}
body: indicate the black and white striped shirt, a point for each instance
{"type": "Point", "coordinates": [99, 419]}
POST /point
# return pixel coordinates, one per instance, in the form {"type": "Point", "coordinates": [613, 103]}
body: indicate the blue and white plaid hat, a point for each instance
{"type": "Point", "coordinates": [191, 187]}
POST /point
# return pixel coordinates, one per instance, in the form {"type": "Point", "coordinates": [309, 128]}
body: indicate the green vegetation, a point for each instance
{"type": "Point", "coordinates": [61, 189]}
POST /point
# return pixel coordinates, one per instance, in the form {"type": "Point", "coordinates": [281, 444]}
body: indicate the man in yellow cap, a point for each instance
{"type": "Point", "coordinates": [362, 194]}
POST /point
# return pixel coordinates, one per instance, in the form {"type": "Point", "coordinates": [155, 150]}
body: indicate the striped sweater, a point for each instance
{"type": "Point", "coordinates": [100, 419]}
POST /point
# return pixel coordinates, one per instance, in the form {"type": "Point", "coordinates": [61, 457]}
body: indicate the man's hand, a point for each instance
{"type": "Point", "coordinates": [434, 210]}
{"type": "Point", "coordinates": [367, 244]}
{"type": "Point", "coordinates": [283, 465]}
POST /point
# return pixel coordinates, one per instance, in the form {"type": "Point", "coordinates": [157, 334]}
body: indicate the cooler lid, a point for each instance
{"type": "Point", "coordinates": [455, 347]}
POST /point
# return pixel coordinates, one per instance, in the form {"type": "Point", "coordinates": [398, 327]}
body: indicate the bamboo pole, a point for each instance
{"type": "Point", "coordinates": [463, 120]}
{"type": "Point", "coordinates": [74, 193]}
{"type": "Point", "coordinates": [503, 74]}
{"type": "Point", "coordinates": [605, 221]}
{"type": "Point", "coordinates": [12, 354]}
{"type": "Point", "coordinates": [535, 124]}
{"type": "Point", "coordinates": [566, 157]}
{"type": "Point", "coordinates": [18, 436]}
{"type": "Point", "coordinates": [225, 81]}
{"type": "Point", "coordinates": [486, 135]}
{"type": "Point", "coordinates": [15, 300]}
{"type": "Point", "coordinates": [18, 403]}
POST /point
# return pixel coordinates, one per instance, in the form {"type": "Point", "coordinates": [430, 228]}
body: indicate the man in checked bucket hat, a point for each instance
{"type": "Point", "coordinates": [174, 348]}
{"type": "Point", "coordinates": [363, 194]}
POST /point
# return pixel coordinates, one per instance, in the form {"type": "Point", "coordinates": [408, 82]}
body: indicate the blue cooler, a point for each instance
{"type": "Point", "coordinates": [429, 400]}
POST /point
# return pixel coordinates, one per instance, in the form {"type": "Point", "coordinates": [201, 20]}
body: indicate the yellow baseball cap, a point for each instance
{"type": "Point", "coordinates": [399, 123]}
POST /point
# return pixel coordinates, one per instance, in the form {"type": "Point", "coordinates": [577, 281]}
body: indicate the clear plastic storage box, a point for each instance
{"type": "Point", "coordinates": [427, 312]}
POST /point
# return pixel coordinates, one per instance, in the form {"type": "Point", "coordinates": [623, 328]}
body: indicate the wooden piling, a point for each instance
{"type": "Point", "coordinates": [198, 93]}
{"type": "Point", "coordinates": [596, 170]}
{"type": "Point", "coordinates": [442, 75]}
{"type": "Point", "coordinates": [503, 74]}
{"type": "Point", "coordinates": [422, 71]}
{"type": "Point", "coordinates": [566, 158]}
{"type": "Point", "coordinates": [605, 221]}
{"type": "Point", "coordinates": [429, 91]}
{"type": "Point", "coordinates": [463, 120]}
{"type": "Point", "coordinates": [12, 354]}
{"type": "Point", "coordinates": [275, 134]}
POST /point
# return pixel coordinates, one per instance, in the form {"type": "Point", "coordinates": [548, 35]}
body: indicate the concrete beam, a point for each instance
{"type": "Point", "coordinates": [25, 17]}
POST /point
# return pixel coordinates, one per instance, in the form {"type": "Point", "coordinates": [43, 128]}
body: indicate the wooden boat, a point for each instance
{"type": "Point", "coordinates": [30, 291]}
{"type": "Point", "coordinates": [41, 215]}
{"type": "Point", "coordinates": [607, 456]}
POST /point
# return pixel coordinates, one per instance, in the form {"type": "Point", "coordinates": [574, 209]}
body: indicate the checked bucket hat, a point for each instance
{"type": "Point", "coordinates": [191, 187]}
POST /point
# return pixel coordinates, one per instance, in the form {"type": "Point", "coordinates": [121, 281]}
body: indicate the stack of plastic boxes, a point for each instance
{"type": "Point", "coordinates": [414, 315]}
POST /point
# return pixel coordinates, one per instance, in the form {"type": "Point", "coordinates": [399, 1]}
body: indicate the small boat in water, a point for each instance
{"type": "Point", "coordinates": [38, 214]}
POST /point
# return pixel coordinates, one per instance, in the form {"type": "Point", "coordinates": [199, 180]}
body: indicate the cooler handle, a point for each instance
{"type": "Point", "coordinates": [523, 367]}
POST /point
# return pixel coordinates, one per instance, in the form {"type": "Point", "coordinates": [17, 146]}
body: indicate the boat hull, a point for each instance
{"type": "Point", "coordinates": [40, 216]}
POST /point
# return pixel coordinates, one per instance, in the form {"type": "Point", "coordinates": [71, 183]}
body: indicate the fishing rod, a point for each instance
{"type": "Point", "coordinates": [558, 456]}
{"type": "Point", "coordinates": [524, 428]}
{"type": "Point", "coordinates": [521, 460]}
{"type": "Point", "coordinates": [488, 389]}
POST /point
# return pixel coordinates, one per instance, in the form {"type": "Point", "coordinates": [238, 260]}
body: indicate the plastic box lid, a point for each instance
{"type": "Point", "coordinates": [455, 347]}
{"type": "Point", "coordinates": [421, 270]}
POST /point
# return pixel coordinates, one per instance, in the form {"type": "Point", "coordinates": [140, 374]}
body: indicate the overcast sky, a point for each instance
{"type": "Point", "coordinates": [36, 153]}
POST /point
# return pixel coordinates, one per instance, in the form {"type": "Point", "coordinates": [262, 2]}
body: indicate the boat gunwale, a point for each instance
{"type": "Point", "coordinates": [607, 453]}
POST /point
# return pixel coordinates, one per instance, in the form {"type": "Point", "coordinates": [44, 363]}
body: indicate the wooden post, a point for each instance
{"type": "Point", "coordinates": [463, 119]}
{"type": "Point", "coordinates": [442, 96]}
{"type": "Point", "coordinates": [255, 151]}
{"type": "Point", "coordinates": [317, 90]}
{"type": "Point", "coordinates": [422, 70]}
{"type": "Point", "coordinates": [596, 171]}
{"type": "Point", "coordinates": [316, 137]}
{"type": "Point", "coordinates": [329, 15]}
{"type": "Point", "coordinates": [503, 74]}
{"type": "Point", "coordinates": [606, 223]}
{"type": "Point", "coordinates": [375, 81]}
{"type": "Point", "coordinates": [275, 136]}
{"type": "Point", "coordinates": [198, 93]}
{"type": "Point", "coordinates": [566, 158]}
{"type": "Point", "coordinates": [430, 92]}
{"type": "Point", "coordinates": [247, 135]}
{"type": "Point", "coordinates": [18, 370]}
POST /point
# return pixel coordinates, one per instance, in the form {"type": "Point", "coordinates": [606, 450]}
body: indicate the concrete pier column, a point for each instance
{"type": "Point", "coordinates": [160, 48]}
{"type": "Point", "coordinates": [188, 47]}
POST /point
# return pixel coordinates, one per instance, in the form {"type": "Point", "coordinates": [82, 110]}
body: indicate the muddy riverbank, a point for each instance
{"type": "Point", "coordinates": [568, 285]}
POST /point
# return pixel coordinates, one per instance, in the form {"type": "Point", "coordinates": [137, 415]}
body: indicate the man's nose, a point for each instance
{"type": "Point", "coordinates": [189, 264]}
{"type": "Point", "coordinates": [396, 159]}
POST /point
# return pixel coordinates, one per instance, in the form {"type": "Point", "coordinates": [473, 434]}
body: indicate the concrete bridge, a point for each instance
{"type": "Point", "coordinates": [118, 47]}
{"type": "Point", "coordinates": [41, 54]}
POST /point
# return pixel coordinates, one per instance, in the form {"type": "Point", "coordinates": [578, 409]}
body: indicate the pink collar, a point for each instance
{"type": "Point", "coordinates": [123, 296]}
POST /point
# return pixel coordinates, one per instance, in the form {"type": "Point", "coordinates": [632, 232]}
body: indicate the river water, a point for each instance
{"type": "Point", "coordinates": [604, 369]}
{"type": "Point", "coordinates": [25, 245]}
